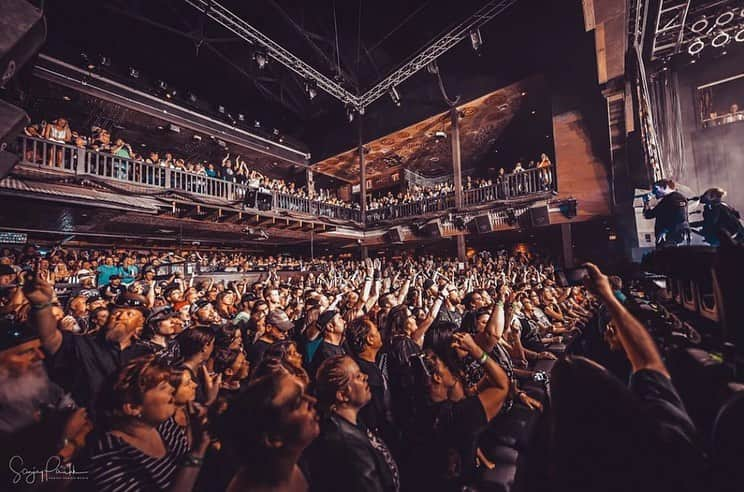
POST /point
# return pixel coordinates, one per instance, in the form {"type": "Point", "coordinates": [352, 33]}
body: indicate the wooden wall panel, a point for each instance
{"type": "Point", "coordinates": [581, 174]}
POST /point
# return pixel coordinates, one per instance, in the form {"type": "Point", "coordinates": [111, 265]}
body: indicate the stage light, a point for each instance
{"type": "Point", "coordinates": [349, 113]}
{"type": "Point", "coordinates": [261, 59]}
{"type": "Point", "coordinates": [241, 117]}
{"type": "Point", "coordinates": [696, 47]}
{"type": "Point", "coordinates": [162, 84]}
{"type": "Point", "coordinates": [134, 73]}
{"type": "Point", "coordinates": [192, 97]}
{"type": "Point", "coordinates": [432, 68]}
{"type": "Point", "coordinates": [311, 89]}
{"type": "Point", "coordinates": [257, 124]}
{"type": "Point", "coordinates": [739, 37]}
{"type": "Point", "coordinates": [66, 98]}
{"type": "Point", "coordinates": [724, 18]}
{"type": "Point", "coordinates": [720, 40]}
{"type": "Point", "coordinates": [395, 96]}
{"type": "Point", "coordinates": [105, 61]}
{"type": "Point", "coordinates": [221, 109]}
{"type": "Point", "coordinates": [276, 132]}
{"type": "Point", "coordinates": [699, 26]}
{"type": "Point", "coordinates": [475, 39]}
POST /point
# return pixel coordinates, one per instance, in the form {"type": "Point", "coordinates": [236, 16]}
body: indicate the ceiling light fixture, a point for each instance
{"type": "Point", "coordinates": [696, 47]}
{"type": "Point", "coordinates": [475, 39]}
{"type": "Point", "coordinates": [721, 39]}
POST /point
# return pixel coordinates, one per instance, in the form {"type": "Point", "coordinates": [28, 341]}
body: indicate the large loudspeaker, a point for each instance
{"type": "Point", "coordinates": [539, 216]}
{"type": "Point", "coordinates": [394, 236]}
{"type": "Point", "coordinates": [22, 32]}
{"type": "Point", "coordinates": [432, 230]}
{"type": "Point", "coordinates": [482, 224]}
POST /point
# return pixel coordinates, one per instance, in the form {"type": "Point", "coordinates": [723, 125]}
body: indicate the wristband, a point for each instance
{"type": "Point", "coordinates": [39, 307]}
{"type": "Point", "coordinates": [190, 460]}
{"type": "Point", "coordinates": [500, 303]}
{"type": "Point", "coordinates": [483, 358]}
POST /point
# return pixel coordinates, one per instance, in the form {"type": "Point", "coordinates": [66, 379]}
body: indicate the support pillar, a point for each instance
{"type": "Point", "coordinates": [567, 245]}
{"type": "Point", "coordinates": [310, 183]}
{"type": "Point", "coordinates": [364, 252]}
{"type": "Point", "coordinates": [461, 250]}
{"type": "Point", "coordinates": [457, 173]}
{"type": "Point", "coordinates": [362, 173]}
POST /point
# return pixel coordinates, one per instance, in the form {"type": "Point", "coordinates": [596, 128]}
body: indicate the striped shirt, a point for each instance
{"type": "Point", "coordinates": [116, 466]}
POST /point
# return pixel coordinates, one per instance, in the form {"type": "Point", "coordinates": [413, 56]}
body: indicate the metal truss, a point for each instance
{"type": "Point", "coordinates": [242, 29]}
{"type": "Point", "coordinates": [670, 27]}
{"type": "Point", "coordinates": [428, 54]}
{"type": "Point", "coordinates": [436, 49]}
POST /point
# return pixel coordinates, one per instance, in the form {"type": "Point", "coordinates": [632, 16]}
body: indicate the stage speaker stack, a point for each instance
{"type": "Point", "coordinates": [539, 216]}
{"type": "Point", "coordinates": [394, 236]}
{"type": "Point", "coordinates": [482, 224]}
{"type": "Point", "coordinates": [22, 32]}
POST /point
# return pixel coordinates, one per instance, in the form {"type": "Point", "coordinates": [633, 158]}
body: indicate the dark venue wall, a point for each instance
{"type": "Point", "coordinates": [698, 153]}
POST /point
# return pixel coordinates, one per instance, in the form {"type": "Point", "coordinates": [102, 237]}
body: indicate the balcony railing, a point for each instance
{"type": "Point", "coordinates": [80, 161]}
{"type": "Point", "coordinates": [509, 186]}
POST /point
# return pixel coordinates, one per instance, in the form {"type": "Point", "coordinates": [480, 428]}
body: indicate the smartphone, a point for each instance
{"type": "Point", "coordinates": [571, 276]}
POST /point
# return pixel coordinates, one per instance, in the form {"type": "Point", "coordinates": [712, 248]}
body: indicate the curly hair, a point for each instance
{"type": "Point", "coordinates": [356, 334]}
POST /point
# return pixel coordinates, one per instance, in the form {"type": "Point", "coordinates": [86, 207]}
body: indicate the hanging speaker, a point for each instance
{"type": "Point", "coordinates": [394, 236]}
{"type": "Point", "coordinates": [539, 216]}
{"type": "Point", "coordinates": [482, 224]}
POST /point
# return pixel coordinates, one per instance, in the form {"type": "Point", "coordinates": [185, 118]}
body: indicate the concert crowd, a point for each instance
{"type": "Point", "coordinates": [409, 373]}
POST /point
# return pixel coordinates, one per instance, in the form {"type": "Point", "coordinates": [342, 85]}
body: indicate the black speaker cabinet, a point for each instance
{"type": "Point", "coordinates": [394, 236]}
{"type": "Point", "coordinates": [482, 224]}
{"type": "Point", "coordinates": [539, 216]}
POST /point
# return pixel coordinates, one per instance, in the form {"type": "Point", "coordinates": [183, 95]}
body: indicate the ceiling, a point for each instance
{"type": "Point", "coordinates": [482, 125]}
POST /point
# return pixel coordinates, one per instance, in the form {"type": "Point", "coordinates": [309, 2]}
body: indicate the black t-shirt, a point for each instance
{"type": "Point", "coordinates": [83, 362]}
{"type": "Point", "coordinates": [670, 214]}
{"type": "Point", "coordinates": [255, 352]}
{"type": "Point", "coordinates": [377, 414]}
{"type": "Point", "coordinates": [677, 461]}
{"type": "Point", "coordinates": [325, 351]}
{"type": "Point", "coordinates": [448, 435]}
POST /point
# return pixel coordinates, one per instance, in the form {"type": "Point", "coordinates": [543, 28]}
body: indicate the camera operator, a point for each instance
{"type": "Point", "coordinates": [719, 217]}
{"type": "Point", "coordinates": [670, 213]}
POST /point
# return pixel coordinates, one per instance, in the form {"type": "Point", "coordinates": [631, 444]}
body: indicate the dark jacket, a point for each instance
{"type": "Point", "coordinates": [343, 459]}
{"type": "Point", "coordinates": [671, 218]}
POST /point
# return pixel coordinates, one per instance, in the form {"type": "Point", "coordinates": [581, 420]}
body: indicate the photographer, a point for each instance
{"type": "Point", "coordinates": [670, 213]}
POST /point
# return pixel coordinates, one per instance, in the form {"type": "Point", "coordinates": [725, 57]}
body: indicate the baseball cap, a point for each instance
{"type": "Point", "coordinates": [14, 332]}
{"type": "Point", "coordinates": [160, 313]}
{"type": "Point", "coordinates": [198, 305]}
{"type": "Point", "coordinates": [326, 317]}
{"type": "Point", "coordinates": [279, 318]}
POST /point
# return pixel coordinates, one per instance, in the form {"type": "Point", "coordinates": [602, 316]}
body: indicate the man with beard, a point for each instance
{"type": "Point", "coordinates": [38, 420]}
{"type": "Point", "coordinates": [24, 385]}
{"type": "Point", "coordinates": [81, 363]}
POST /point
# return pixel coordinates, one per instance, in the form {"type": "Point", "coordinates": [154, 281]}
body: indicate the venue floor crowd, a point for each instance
{"type": "Point", "coordinates": [414, 373]}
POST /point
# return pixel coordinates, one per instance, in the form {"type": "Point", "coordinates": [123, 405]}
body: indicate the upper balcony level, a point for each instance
{"type": "Point", "coordinates": [69, 160]}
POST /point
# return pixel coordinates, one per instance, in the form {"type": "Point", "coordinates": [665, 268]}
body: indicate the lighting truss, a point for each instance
{"type": "Point", "coordinates": [670, 27]}
{"type": "Point", "coordinates": [682, 25]}
{"type": "Point", "coordinates": [242, 29]}
{"type": "Point", "coordinates": [436, 49]}
{"type": "Point", "coordinates": [218, 13]}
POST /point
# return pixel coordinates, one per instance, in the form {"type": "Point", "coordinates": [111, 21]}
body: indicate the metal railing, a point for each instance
{"type": "Point", "coordinates": [509, 186]}
{"type": "Point", "coordinates": [80, 161]}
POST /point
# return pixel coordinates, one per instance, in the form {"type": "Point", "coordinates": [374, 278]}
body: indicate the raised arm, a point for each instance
{"type": "Point", "coordinates": [636, 341]}
{"type": "Point", "coordinates": [40, 294]}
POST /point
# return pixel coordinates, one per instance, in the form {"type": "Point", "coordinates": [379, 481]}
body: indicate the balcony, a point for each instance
{"type": "Point", "coordinates": [136, 176]}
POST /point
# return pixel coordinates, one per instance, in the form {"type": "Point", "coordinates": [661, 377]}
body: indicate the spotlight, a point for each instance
{"type": "Point", "coordinates": [699, 26]}
{"type": "Point", "coordinates": [221, 109]}
{"type": "Point", "coordinates": [395, 96]}
{"type": "Point", "coordinates": [721, 40]}
{"type": "Point", "coordinates": [105, 61]}
{"type": "Point", "coordinates": [475, 39]}
{"type": "Point", "coordinates": [256, 124]}
{"type": "Point", "coordinates": [696, 47]}
{"type": "Point", "coordinates": [276, 132]}
{"type": "Point", "coordinates": [241, 117]}
{"type": "Point", "coordinates": [349, 113]}
{"type": "Point", "coordinates": [192, 97]}
{"type": "Point", "coordinates": [134, 73]}
{"type": "Point", "coordinates": [739, 37]}
{"type": "Point", "coordinates": [432, 68]}
{"type": "Point", "coordinates": [162, 85]}
{"type": "Point", "coordinates": [281, 138]}
{"type": "Point", "coordinates": [724, 18]}
{"type": "Point", "coordinates": [66, 98]}
{"type": "Point", "coordinates": [311, 89]}
{"type": "Point", "coordinates": [261, 59]}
